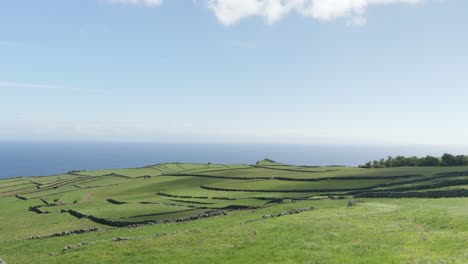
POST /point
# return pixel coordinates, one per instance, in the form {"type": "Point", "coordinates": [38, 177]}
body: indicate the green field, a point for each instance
{"type": "Point", "coordinates": [216, 213]}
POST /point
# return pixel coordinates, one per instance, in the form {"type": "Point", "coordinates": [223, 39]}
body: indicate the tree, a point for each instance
{"type": "Point", "coordinates": [399, 161]}
{"type": "Point", "coordinates": [429, 161]}
{"type": "Point", "coordinates": [375, 164]}
{"type": "Point", "coordinates": [448, 160]}
{"type": "Point", "coordinates": [368, 165]}
{"type": "Point", "coordinates": [389, 162]}
{"type": "Point", "coordinates": [459, 160]}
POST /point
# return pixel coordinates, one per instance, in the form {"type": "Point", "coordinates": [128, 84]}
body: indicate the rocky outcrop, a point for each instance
{"type": "Point", "coordinates": [75, 246]}
{"type": "Point", "coordinates": [332, 197]}
{"type": "Point", "coordinates": [289, 212]}
{"type": "Point", "coordinates": [117, 239]}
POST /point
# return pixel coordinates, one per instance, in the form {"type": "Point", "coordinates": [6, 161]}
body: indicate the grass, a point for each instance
{"type": "Point", "coordinates": [275, 185]}
{"type": "Point", "coordinates": [377, 230]}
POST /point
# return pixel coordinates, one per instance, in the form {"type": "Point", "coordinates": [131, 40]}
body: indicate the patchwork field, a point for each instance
{"type": "Point", "coordinates": [216, 213]}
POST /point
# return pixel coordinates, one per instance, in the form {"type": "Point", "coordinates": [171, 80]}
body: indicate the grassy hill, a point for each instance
{"type": "Point", "coordinates": [217, 213]}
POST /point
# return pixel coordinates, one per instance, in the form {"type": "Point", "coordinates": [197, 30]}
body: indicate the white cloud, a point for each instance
{"type": "Point", "coordinates": [147, 3]}
{"type": "Point", "coordinates": [229, 12]}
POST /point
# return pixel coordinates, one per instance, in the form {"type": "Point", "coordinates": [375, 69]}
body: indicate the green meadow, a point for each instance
{"type": "Point", "coordinates": [217, 213]}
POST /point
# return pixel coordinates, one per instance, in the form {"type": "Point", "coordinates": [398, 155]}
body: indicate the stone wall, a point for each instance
{"type": "Point", "coordinates": [66, 233]}
{"type": "Point", "coordinates": [115, 223]}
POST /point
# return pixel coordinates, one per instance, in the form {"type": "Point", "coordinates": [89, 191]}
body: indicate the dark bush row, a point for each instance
{"type": "Point", "coordinates": [305, 190]}
{"type": "Point", "coordinates": [190, 202]}
{"type": "Point", "coordinates": [118, 175]}
{"type": "Point", "coordinates": [37, 209]}
{"type": "Point", "coordinates": [224, 198]}
{"type": "Point", "coordinates": [425, 179]}
{"type": "Point", "coordinates": [240, 207]}
{"type": "Point", "coordinates": [18, 190]}
{"type": "Point", "coordinates": [298, 179]}
{"type": "Point", "coordinates": [195, 197]}
{"type": "Point", "coordinates": [174, 204]}
{"type": "Point", "coordinates": [282, 191]}
{"type": "Point", "coordinates": [269, 167]}
{"type": "Point", "coordinates": [112, 201]}
{"type": "Point", "coordinates": [432, 186]}
{"type": "Point", "coordinates": [59, 183]}
{"type": "Point", "coordinates": [75, 171]}
{"type": "Point", "coordinates": [182, 196]}
{"type": "Point", "coordinates": [16, 185]}
{"type": "Point", "coordinates": [20, 197]}
{"type": "Point", "coordinates": [429, 194]}
{"type": "Point", "coordinates": [213, 176]}
{"type": "Point", "coordinates": [267, 198]}
{"type": "Point", "coordinates": [453, 174]}
{"type": "Point", "coordinates": [144, 177]}
{"type": "Point", "coordinates": [220, 170]}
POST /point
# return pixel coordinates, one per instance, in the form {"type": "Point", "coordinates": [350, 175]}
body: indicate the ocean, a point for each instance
{"type": "Point", "coordinates": [47, 158]}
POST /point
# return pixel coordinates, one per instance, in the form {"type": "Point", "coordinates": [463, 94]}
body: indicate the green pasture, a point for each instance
{"type": "Point", "coordinates": [241, 229]}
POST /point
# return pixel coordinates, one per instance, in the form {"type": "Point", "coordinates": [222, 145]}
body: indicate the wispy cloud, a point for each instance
{"type": "Point", "coordinates": [37, 86]}
{"type": "Point", "coordinates": [147, 3]}
{"type": "Point", "coordinates": [230, 12]}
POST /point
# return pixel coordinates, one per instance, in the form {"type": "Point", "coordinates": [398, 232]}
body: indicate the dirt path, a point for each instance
{"type": "Point", "coordinates": [87, 197]}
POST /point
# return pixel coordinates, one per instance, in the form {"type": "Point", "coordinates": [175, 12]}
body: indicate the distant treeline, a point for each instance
{"type": "Point", "coordinates": [428, 161]}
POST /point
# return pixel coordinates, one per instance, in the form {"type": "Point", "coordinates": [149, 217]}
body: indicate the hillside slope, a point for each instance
{"type": "Point", "coordinates": [213, 213]}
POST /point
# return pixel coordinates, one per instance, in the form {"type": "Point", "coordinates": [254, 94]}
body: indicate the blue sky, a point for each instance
{"type": "Point", "coordinates": [292, 71]}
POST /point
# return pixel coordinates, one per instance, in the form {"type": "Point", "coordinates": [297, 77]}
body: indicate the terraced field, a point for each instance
{"type": "Point", "coordinates": [174, 212]}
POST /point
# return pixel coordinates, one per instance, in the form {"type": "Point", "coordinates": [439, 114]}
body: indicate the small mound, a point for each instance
{"type": "Point", "coordinates": [267, 162]}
